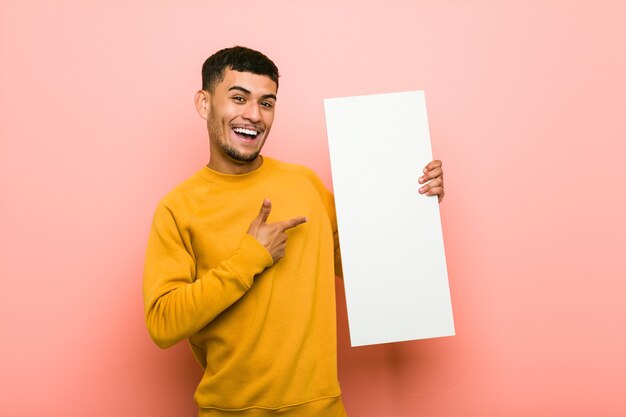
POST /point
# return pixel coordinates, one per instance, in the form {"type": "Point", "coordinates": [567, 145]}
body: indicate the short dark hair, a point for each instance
{"type": "Point", "coordinates": [237, 58]}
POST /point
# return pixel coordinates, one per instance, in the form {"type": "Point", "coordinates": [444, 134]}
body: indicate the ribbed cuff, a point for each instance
{"type": "Point", "coordinates": [250, 259]}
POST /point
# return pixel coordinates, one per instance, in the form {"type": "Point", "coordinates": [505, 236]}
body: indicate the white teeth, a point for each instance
{"type": "Point", "coordinates": [246, 131]}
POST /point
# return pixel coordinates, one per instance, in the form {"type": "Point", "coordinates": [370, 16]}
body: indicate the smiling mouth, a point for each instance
{"type": "Point", "coordinates": [246, 133]}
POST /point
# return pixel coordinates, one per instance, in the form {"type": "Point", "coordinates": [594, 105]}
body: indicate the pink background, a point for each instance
{"type": "Point", "coordinates": [526, 103]}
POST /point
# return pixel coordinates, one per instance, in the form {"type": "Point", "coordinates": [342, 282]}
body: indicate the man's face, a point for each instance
{"type": "Point", "coordinates": [239, 116]}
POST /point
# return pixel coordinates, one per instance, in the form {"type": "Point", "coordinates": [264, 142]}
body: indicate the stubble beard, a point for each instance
{"type": "Point", "coordinates": [229, 150]}
{"type": "Point", "coordinates": [236, 155]}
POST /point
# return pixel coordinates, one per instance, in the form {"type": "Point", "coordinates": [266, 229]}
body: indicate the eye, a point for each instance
{"type": "Point", "coordinates": [267, 104]}
{"type": "Point", "coordinates": [239, 99]}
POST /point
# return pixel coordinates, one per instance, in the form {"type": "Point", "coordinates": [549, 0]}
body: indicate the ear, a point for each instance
{"type": "Point", "coordinates": [202, 100]}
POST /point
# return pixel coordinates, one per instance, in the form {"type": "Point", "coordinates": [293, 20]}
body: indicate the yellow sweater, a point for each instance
{"type": "Point", "coordinates": [264, 333]}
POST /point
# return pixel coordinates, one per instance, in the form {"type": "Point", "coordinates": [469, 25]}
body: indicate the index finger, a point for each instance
{"type": "Point", "coordinates": [290, 224]}
{"type": "Point", "coordinates": [432, 165]}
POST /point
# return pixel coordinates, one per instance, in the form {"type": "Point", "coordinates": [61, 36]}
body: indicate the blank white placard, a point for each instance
{"type": "Point", "coordinates": [392, 249]}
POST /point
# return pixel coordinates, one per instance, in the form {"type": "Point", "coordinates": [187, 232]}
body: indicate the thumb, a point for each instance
{"type": "Point", "coordinates": [264, 213]}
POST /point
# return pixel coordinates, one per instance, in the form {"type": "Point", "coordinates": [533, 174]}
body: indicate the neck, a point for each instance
{"type": "Point", "coordinates": [235, 167]}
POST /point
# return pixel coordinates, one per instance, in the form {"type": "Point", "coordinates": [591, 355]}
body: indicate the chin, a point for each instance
{"type": "Point", "coordinates": [238, 156]}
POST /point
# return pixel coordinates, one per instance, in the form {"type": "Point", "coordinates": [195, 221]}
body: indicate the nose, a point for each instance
{"type": "Point", "coordinates": [252, 112]}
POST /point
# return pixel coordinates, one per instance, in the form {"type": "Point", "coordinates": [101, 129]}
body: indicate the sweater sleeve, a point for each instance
{"type": "Point", "coordinates": [176, 305]}
{"type": "Point", "coordinates": [328, 199]}
{"type": "Point", "coordinates": [329, 202]}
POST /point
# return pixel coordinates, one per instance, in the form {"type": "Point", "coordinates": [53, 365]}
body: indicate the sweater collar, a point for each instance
{"type": "Point", "coordinates": [212, 175]}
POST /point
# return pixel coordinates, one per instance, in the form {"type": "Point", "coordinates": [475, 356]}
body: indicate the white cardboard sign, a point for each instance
{"type": "Point", "coordinates": [392, 250]}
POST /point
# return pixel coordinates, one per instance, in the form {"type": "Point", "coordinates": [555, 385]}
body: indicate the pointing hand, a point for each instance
{"type": "Point", "coordinates": [272, 235]}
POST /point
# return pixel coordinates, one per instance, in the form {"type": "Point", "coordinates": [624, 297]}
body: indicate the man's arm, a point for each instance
{"type": "Point", "coordinates": [176, 305]}
{"type": "Point", "coordinates": [330, 207]}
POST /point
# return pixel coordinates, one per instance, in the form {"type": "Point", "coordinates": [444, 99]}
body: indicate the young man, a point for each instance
{"type": "Point", "coordinates": [252, 290]}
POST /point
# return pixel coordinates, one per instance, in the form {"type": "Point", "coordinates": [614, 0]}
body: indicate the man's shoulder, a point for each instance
{"type": "Point", "coordinates": [295, 169]}
{"type": "Point", "coordinates": [188, 194]}
{"type": "Point", "coordinates": [303, 174]}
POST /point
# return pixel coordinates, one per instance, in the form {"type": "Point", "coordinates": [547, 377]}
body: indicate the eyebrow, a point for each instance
{"type": "Point", "coordinates": [246, 91]}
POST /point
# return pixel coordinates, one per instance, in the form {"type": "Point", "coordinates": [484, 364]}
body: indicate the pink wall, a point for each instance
{"type": "Point", "coordinates": [526, 104]}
